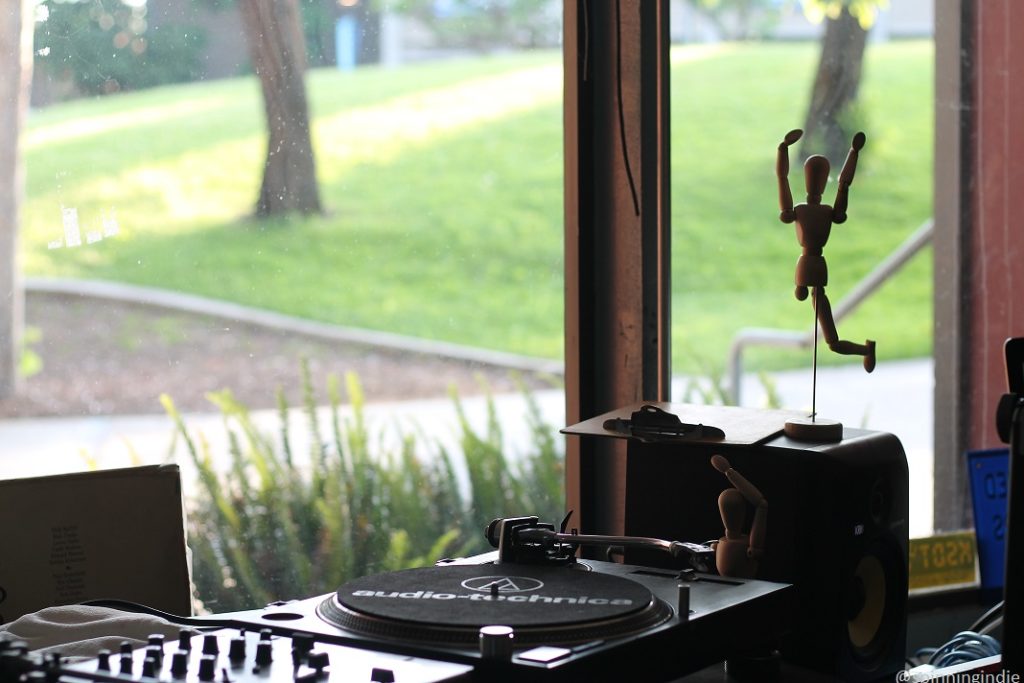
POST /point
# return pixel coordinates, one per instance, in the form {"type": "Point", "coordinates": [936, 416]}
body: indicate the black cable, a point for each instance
{"type": "Point", "coordinates": [991, 626]}
{"type": "Point", "coordinates": [136, 608]}
{"type": "Point", "coordinates": [965, 646]}
{"type": "Point", "coordinates": [980, 621]}
{"type": "Point", "coordinates": [622, 113]}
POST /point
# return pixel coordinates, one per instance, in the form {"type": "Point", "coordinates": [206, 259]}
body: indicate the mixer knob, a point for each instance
{"type": "Point", "coordinates": [126, 664]}
{"type": "Point", "coordinates": [207, 667]}
{"type": "Point", "coordinates": [210, 646]}
{"type": "Point", "coordinates": [318, 660]}
{"type": "Point", "coordinates": [126, 647]}
{"type": "Point", "coordinates": [156, 639]}
{"type": "Point", "coordinates": [156, 652]}
{"type": "Point", "coordinates": [150, 667]}
{"type": "Point", "coordinates": [236, 650]}
{"type": "Point", "coordinates": [179, 663]}
{"type": "Point", "coordinates": [302, 642]}
{"type": "Point", "coordinates": [264, 653]}
{"type": "Point", "coordinates": [103, 660]}
{"type": "Point", "coordinates": [265, 634]}
{"type": "Point", "coordinates": [184, 639]}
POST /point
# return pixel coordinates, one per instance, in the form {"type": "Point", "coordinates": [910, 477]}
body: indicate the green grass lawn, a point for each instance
{"type": "Point", "coordinates": [444, 188]}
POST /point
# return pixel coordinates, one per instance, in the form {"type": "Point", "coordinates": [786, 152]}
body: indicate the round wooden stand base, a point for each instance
{"type": "Point", "coordinates": [817, 429]}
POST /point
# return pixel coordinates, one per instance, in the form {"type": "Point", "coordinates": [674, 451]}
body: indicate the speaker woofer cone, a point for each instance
{"type": "Point", "coordinates": [879, 579]}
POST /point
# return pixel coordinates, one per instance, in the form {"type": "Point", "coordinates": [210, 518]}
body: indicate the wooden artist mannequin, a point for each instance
{"type": "Point", "coordinates": [813, 224]}
{"type": "Point", "coordinates": [737, 553]}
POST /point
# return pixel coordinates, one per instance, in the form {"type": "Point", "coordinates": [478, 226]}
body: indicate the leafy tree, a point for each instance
{"type": "Point", "coordinates": [105, 46]}
{"type": "Point", "coordinates": [829, 125]}
{"type": "Point", "coordinates": [277, 49]}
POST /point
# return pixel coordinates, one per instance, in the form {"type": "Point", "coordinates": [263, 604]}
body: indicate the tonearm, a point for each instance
{"type": "Point", "coordinates": [527, 540]}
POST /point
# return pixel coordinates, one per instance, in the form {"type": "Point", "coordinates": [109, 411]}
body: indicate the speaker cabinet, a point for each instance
{"type": "Point", "coordinates": [837, 530]}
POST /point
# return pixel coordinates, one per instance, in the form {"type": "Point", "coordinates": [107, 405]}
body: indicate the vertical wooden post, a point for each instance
{"type": "Point", "coordinates": [16, 28]}
{"type": "Point", "coordinates": [616, 234]}
{"type": "Point", "coordinates": [953, 65]}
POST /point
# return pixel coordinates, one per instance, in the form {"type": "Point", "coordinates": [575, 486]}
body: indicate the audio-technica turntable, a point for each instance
{"type": "Point", "coordinates": [530, 611]}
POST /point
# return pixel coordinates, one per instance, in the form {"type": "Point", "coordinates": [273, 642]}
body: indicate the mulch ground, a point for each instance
{"type": "Point", "coordinates": [104, 358]}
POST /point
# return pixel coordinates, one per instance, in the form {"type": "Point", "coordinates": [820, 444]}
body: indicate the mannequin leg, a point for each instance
{"type": "Point", "coordinates": [831, 335]}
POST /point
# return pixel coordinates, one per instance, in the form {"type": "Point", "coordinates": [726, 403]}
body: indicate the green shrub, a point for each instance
{"type": "Point", "coordinates": [106, 46]}
{"type": "Point", "coordinates": [270, 527]}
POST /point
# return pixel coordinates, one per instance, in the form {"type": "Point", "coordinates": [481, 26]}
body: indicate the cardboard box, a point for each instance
{"type": "Point", "coordinates": [113, 534]}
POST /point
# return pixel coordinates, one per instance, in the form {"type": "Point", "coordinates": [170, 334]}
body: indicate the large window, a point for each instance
{"type": "Point", "coordinates": [437, 256]}
{"type": "Point", "coordinates": [733, 260]}
{"type": "Point", "coordinates": [415, 255]}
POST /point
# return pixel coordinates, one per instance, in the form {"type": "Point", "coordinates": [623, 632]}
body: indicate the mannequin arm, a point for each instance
{"type": "Point", "coordinates": [846, 179]}
{"type": "Point", "coordinates": [787, 214]}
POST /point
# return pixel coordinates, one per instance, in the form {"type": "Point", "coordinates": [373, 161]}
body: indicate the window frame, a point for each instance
{"type": "Point", "coordinates": [617, 234]}
{"type": "Point", "coordinates": [595, 382]}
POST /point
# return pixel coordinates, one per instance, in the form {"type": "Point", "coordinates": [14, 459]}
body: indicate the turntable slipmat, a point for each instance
{"type": "Point", "coordinates": [449, 605]}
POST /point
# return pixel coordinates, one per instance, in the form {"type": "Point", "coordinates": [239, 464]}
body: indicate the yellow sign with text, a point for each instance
{"type": "Point", "coordinates": [943, 560]}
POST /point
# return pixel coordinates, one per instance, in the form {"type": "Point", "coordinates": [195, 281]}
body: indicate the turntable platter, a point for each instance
{"type": "Point", "coordinates": [449, 604]}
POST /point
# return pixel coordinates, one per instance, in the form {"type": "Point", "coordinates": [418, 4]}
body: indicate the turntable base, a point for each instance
{"type": "Point", "coordinates": [451, 604]}
{"type": "Point", "coordinates": [595, 621]}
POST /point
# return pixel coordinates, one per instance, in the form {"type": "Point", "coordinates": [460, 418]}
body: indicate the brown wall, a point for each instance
{"type": "Point", "coordinates": [995, 277]}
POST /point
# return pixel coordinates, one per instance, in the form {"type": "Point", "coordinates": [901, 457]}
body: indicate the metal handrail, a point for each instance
{"type": "Point", "coordinates": [889, 266]}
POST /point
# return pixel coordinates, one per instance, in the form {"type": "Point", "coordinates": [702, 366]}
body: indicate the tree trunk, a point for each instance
{"type": "Point", "coordinates": [16, 24]}
{"type": "Point", "coordinates": [835, 88]}
{"type": "Point", "coordinates": [273, 31]}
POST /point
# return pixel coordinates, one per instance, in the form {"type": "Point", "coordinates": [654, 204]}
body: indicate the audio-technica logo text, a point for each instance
{"type": "Point", "coordinates": [495, 589]}
{"type": "Point", "coordinates": [503, 584]}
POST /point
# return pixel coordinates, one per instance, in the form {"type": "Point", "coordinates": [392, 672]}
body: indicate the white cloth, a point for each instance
{"type": "Point", "coordinates": [83, 630]}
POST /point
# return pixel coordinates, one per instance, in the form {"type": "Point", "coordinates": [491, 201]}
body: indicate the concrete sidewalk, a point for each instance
{"type": "Point", "coordinates": [896, 398]}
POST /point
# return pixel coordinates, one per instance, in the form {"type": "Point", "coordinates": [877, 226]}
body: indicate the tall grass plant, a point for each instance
{"type": "Point", "coordinates": [275, 524]}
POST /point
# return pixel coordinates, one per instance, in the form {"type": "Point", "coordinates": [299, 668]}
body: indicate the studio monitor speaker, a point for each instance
{"type": "Point", "coordinates": [837, 530]}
